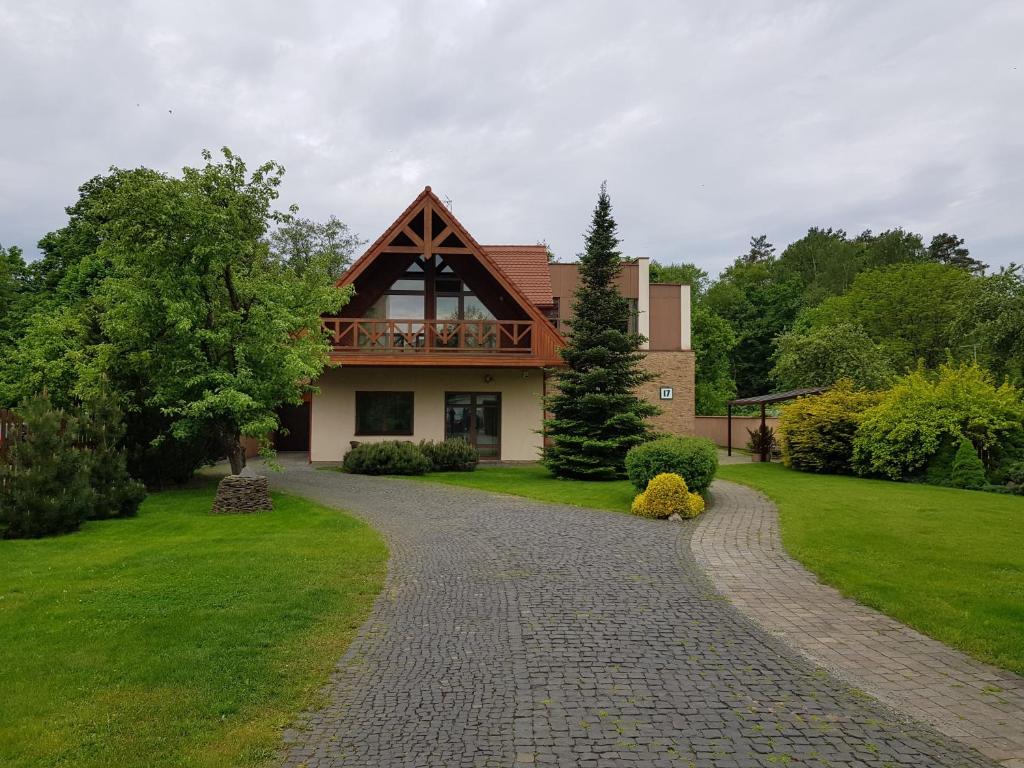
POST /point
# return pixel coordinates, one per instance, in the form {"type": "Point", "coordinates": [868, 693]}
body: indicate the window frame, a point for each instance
{"type": "Point", "coordinates": [412, 415]}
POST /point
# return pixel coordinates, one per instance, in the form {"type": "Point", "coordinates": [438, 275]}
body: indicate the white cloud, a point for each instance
{"type": "Point", "coordinates": [710, 121]}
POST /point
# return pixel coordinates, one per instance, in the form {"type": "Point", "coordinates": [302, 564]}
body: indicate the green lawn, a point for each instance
{"type": "Point", "coordinates": [535, 482]}
{"type": "Point", "coordinates": [177, 638]}
{"type": "Point", "coordinates": [949, 563]}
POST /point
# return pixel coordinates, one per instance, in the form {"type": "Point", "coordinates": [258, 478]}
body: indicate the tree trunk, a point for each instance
{"type": "Point", "coordinates": [236, 455]}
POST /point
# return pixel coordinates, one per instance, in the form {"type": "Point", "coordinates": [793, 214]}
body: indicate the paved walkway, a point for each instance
{"type": "Point", "coordinates": [514, 633]}
{"type": "Point", "coordinates": [738, 543]}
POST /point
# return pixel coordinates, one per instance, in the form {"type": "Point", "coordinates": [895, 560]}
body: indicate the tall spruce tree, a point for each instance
{"type": "Point", "coordinates": [596, 415]}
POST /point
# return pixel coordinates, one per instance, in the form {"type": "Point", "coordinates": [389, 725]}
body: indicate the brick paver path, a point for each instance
{"type": "Point", "coordinates": [514, 633]}
{"type": "Point", "coordinates": [738, 543]}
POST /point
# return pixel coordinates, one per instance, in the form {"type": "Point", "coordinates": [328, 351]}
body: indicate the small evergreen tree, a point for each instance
{"type": "Point", "coordinates": [968, 469]}
{"type": "Point", "coordinates": [44, 485]}
{"type": "Point", "coordinates": [596, 416]}
{"type": "Point", "coordinates": [116, 493]}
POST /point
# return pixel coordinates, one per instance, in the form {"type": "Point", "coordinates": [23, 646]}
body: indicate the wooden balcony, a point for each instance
{"type": "Point", "coordinates": [360, 341]}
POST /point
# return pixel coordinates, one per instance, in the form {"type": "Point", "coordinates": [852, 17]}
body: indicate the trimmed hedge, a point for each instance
{"type": "Point", "coordinates": [695, 459]}
{"type": "Point", "coordinates": [816, 433]}
{"type": "Point", "coordinates": [390, 457]}
{"type": "Point", "coordinates": [452, 455]}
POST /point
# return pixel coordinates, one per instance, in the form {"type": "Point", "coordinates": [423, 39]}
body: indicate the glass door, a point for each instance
{"type": "Point", "coordinates": [476, 418]}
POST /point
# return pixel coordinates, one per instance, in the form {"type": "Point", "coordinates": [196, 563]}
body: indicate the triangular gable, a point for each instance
{"type": "Point", "coordinates": [429, 204]}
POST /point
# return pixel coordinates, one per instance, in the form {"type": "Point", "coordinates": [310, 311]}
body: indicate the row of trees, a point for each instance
{"type": "Point", "coordinates": [189, 297]}
{"type": "Point", "coordinates": [831, 306]}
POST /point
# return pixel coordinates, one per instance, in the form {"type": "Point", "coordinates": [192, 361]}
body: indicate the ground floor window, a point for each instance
{"type": "Point", "coordinates": [476, 418]}
{"type": "Point", "coordinates": [384, 413]}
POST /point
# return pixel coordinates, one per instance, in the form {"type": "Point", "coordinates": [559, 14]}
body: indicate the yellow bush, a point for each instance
{"type": "Point", "coordinates": [696, 504]}
{"type": "Point", "coordinates": [665, 496]}
{"type": "Point", "coordinates": [639, 505]}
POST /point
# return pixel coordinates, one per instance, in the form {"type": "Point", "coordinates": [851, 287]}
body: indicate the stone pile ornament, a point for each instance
{"type": "Point", "coordinates": [242, 493]}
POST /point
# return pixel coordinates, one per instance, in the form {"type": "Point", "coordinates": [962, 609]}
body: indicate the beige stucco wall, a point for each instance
{"type": "Point", "coordinates": [676, 370]}
{"type": "Point", "coordinates": [334, 417]}
{"type": "Point", "coordinates": [716, 428]}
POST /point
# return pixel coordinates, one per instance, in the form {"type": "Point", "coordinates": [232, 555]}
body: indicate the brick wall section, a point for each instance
{"type": "Point", "coordinates": [672, 369]}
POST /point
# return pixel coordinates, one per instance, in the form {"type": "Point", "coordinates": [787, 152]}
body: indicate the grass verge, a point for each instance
{"type": "Point", "coordinates": [177, 638]}
{"type": "Point", "coordinates": [947, 562]}
{"type": "Point", "coordinates": [534, 482]}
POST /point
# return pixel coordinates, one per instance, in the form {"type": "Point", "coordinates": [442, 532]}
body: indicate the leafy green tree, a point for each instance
{"type": "Point", "coordinates": [819, 356]}
{"type": "Point", "coordinates": [596, 415]}
{"type": "Point", "coordinates": [758, 305]}
{"type": "Point", "coordinates": [950, 249]}
{"type": "Point", "coordinates": [713, 342]}
{"type": "Point", "coordinates": [909, 311]}
{"type": "Point", "coordinates": [989, 325]}
{"type": "Point", "coordinates": [685, 273]}
{"type": "Point", "coordinates": [216, 331]}
{"type": "Point", "coordinates": [182, 308]}
{"type": "Point", "coordinates": [44, 483]}
{"type": "Point", "coordinates": [302, 243]}
{"type": "Point", "coordinates": [968, 469]}
{"type": "Point", "coordinates": [70, 267]}
{"type": "Point", "coordinates": [14, 295]}
{"type": "Point", "coordinates": [826, 261]}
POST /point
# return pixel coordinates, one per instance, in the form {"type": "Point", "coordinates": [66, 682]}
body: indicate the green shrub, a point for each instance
{"type": "Point", "coordinates": [898, 436]}
{"type": "Point", "coordinates": [390, 457]}
{"type": "Point", "coordinates": [939, 469]}
{"type": "Point", "coordinates": [44, 482]}
{"type": "Point", "coordinates": [816, 433]}
{"type": "Point", "coordinates": [1009, 454]}
{"type": "Point", "coordinates": [1015, 474]}
{"type": "Point", "coordinates": [695, 459]}
{"type": "Point", "coordinates": [115, 492]}
{"type": "Point", "coordinates": [667, 495]}
{"type": "Point", "coordinates": [968, 471]}
{"type": "Point", "coordinates": [452, 455]}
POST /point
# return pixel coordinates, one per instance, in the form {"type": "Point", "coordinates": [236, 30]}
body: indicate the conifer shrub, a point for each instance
{"type": "Point", "coordinates": [389, 457]}
{"type": "Point", "coordinates": [452, 455]}
{"type": "Point", "coordinates": [596, 414]}
{"type": "Point", "coordinates": [667, 495]}
{"type": "Point", "coordinates": [968, 469]}
{"type": "Point", "coordinates": [44, 482]}
{"type": "Point", "coordinates": [695, 459]}
{"type": "Point", "coordinates": [816, 432]}
{"type": "Point", "coordinates": [102, 431]}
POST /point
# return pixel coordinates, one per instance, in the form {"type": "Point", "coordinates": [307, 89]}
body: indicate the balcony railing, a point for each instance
{"type": "Point", "coordinates": [425, 336]}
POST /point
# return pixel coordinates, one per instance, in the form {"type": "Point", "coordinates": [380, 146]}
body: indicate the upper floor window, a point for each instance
{"type": "Point", "coordinates": [408, 297]}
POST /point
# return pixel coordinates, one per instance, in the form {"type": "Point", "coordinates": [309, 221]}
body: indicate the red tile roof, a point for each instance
{"type": "Point", "coordinates": [527, 267]}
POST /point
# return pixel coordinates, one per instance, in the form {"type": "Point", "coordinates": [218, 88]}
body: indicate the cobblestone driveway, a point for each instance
{"type": "Point", "coordinates": [517, 633]}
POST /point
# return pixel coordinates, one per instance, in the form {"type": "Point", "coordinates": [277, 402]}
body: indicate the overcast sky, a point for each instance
{"type": "Point", "coordinates": [711, 121]}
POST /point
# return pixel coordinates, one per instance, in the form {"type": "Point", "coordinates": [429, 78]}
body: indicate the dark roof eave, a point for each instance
{"type": "Point", "coordinates": [777, 397]}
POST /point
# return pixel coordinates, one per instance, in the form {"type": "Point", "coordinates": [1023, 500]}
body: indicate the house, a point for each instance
{"type": "Point", "coordinates": [445, 337]}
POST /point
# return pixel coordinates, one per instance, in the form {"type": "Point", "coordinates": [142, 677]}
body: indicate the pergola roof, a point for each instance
{"type": "Point", "coordinates": [777, 397]}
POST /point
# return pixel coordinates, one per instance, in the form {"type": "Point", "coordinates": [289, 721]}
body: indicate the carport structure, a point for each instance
{"type": "Point", "coordinates": [763, 401]}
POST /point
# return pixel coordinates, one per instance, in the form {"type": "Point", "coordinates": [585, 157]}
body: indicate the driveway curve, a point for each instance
{"type": "Point", "coordinates": [513, 632]}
